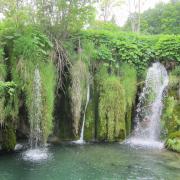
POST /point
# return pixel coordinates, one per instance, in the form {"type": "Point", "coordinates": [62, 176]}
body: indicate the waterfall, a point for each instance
{"type": "Point", "coordinates": [149, 108]}
{"type": "Point", "coordinates": [37, 151]}
{"type": "Point", "coordinates": [81, 139]}
{"type": "Point", "coordinates": [36, 112]}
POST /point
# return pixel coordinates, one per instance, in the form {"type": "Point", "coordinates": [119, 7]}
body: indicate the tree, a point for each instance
{"type": "Point", "coordinates": [106, 7]}
{"type": "Point", "coordinates": [164, 18]}
{"type": "Point", "coordinates": [134, 7]}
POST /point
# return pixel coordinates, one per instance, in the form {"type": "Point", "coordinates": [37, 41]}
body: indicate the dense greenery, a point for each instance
{"type": "Point", "coordinates": [72, 51]}
{"type": "Point", "coordinates": [114, 49]}
{"type": "Point", "coordinates": [163, 19]}
{"type": "Point", "coordinates": [111, 108]}
{"type": "Point", "coordinates": [171, 114]}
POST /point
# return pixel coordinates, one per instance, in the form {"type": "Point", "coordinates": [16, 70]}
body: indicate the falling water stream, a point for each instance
{"type": "Point", "coordinates": [36, 151]}
{"type": "Point", "coordinates": [36, 112]}
{"type": "Point", "coordinates": [149, 108]}
{"type": "Point", "coordinates": [81, 139]}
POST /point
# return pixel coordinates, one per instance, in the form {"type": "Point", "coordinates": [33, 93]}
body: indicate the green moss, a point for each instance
{"type": "Point", "coordinates": [128, 120]}
{"type": "Point", "coordinates": [171, 113]}
{"type": "Point", "coordinates": [2, 77]}
{"type": "Point", "coordinates": [174, 135]}
{"type": "Point", "coordinates": [128, 76]}
{"type": "Point", "coordinates": [173, 141]}
{"type": "Point", "coordinates": [89, 131]}
{"type": "Point", "coordinates": [169, 118]}
{"type": "Point", "coordinates": [9, 139]}
{"type": "Point", "coordinates": [111, 125]}
{"type": "Point", "coordinates": [48, 96]}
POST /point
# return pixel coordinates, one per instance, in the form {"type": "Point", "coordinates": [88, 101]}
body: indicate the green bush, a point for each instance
{"type": "Point", "coordinates": [168, 48]}
{"type": "Point", "coordinates": [131, 48]}
{"type": "Point", "coordinates": [173, 141]}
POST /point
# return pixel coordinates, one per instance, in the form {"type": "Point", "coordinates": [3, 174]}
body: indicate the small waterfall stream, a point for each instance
{"type": "Point", "coordinates": [81, 140]}
{"type": "Point", "coordinates": [36, 112]}
{"type": "Point", "coordinates": [149, 108]}
{"type": "Point", "coordinates": [37, 150]}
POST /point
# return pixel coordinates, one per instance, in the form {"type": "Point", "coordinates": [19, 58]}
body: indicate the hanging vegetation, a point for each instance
{"type": "Point", "coordinates": [128, 77]}
{"type": "Point", "coordinates": [2, 77]}
{"type": "Point", "coordinates": [79, 78]}
{"type": "Point", "coordinates": [32, 50]}
{"type": "Point", "coordinates": [112, 104]}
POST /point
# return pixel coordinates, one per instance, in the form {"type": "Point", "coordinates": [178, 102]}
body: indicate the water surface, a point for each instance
{"type": "Point", "coordinates": [93, 161]}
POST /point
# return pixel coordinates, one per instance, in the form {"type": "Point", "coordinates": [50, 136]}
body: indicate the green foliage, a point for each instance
{"type": "Point", "coordinates": [101, 25]}
{"type": "Point", "coordinates": [169, 117]}
{"type": "Point", "coordinates": [32, 45]}
{"type": "Point", "coordinates": [168, 48]}
{"type": "Point", "coordinates": [2, 65]}
{"type": "Point", "coordinates": [104, 54]}
{"type": "Point", "coordinates": [31, 50]}
{"type": "Point", "coordinates": [163, 19]}
{"type": "Point", "coordinates": [128, 77]}
{"type": "Point", "coordinates": [111, 125]}
{"type": "Point", "coordinates": [48, 96]}
{"type": "Point", "coordinates": [120, 47]}
{"type": "Point", "coordinates": [7, 94]}
{"type": "Point", "coordinates": [173, 141]}
{"type": "Point", "coordinates": [173, 144]}
{"type": "Point", "coordinates": [171, 112]}
{"type": "Point", "coordinates": [7, 88]}
{"type": "Point", "coordinates": [176, 71]}
{"type": "Point", "coordinates": [110, 46]}
{"type": "Point", "coordinates": [9, 139]}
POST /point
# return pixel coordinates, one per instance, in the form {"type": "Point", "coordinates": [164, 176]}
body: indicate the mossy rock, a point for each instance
{"type": "Point", "coordinates": [9, 139]}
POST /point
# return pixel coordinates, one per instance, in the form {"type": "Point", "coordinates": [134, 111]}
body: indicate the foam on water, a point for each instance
{"type": "Point", "coordinates": [145, 143]}
{"type": "Point", "coordinates": [36, 155]}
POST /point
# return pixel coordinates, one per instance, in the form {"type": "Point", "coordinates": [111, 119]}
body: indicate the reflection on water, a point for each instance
{"type": "Point", "coordinates": [93, 161]}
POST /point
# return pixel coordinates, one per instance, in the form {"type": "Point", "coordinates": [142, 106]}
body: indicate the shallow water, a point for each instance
{"type": "Point", "coordinates": [93, 161]}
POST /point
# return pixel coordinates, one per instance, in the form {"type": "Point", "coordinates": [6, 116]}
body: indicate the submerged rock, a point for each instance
{"type": "Point", "coordinates": [53, 140]}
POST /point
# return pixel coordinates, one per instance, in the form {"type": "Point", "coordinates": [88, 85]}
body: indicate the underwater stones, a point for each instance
{"type": "Point", "coordinates": [53, 140]}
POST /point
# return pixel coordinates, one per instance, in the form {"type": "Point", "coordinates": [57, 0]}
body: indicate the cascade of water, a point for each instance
{"type": "Point", "coordinates": [36, 152]}
{"type": "Point", "coordinates": [36, 112]}
{"type": "Point", "coordinates": [81, 140]}
{"type": "Point", "coordinates": [149, 108]}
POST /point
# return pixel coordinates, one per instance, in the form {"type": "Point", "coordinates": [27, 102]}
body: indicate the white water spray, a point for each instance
{"type": "Point", "coordinates": [149, 108]}
{"type": "Point", "coordinates": [81, 140]}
